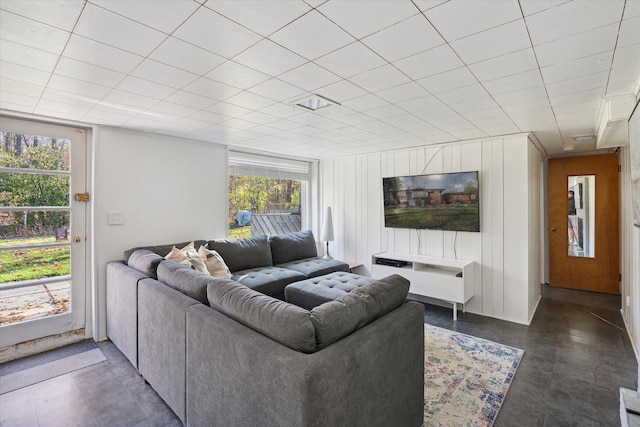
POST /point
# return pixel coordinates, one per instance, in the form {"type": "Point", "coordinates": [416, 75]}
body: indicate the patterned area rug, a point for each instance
{"type": "Point", "coordinates": [465, 378]}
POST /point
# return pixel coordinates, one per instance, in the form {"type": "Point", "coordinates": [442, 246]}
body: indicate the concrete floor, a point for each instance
{"type": "Point", "coordinates": [34, 302]}
{"type": "Point", "coordinates": [577, 355]}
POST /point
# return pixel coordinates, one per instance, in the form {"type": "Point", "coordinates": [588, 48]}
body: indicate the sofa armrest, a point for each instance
{"type": "Point", "coordinates": [122, 308]}
{"type": "Point", "coordinates": [373, 377]}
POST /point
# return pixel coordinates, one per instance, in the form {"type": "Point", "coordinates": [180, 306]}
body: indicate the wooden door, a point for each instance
{"type": "Point", "coordinates": [598, 270]}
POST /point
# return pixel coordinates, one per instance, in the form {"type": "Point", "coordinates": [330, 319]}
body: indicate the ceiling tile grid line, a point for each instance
{"type": "Point", "coordinates": [406, 72]}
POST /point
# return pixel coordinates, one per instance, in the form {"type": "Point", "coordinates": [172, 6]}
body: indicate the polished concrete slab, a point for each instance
{"type": "Point", "coordinates": [577, 356]}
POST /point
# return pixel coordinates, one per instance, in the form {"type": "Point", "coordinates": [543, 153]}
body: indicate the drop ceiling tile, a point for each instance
{"type": "Point", "coordinates": [506, 65]}
{"type": "Point", "coordinates": [82, 71]}
{"type": "Point", "coordinates": [312, 36]}
{"type": "Point", "coordinates": [450, 122]}
{"type": "Point", "coordinates": [23, 74]}
{"type": "Point", "coordinates": [474, 105]}
{"type": "Point", "coordinates": [404, 39]}
{"type": "Point", "coordinates": [364, 103]}
{"type": "Point", "coordinates": [264, 130]}
{"type": "Point", "coordinates": [62, 97]}
{"type": "Point", "coordinates": [229, 110]}
{"type": "Point", "coordinates": [579, 46]}
{"type": "Point", "coordinates": [529, 7]}
{"type": "Point", "coordinates": [284, 124]}
{"type": "Point", "coordinates": [350, 60]}
{"type": "Point", "coordinates": [628, 56]}
{"type": "Point", "coordinates": [578, 84]}
{"type": "Point", "coordinates": [127, 98]}
{"type": "Point", "coordinates": [189, 99]}
{"type": "Point", "coordinates": [31, 33]}
{"type": "Point", "coordinates": [618, 88]}
{"type": "Point", "coordinates": [448, 80]}
{"type": "Point", "coordinates": [163, 74]}
{"type": "Point", "coordinates": [106, 27]}
{"type": "Point", "coordinates": [488, 114]}
{"type": "Point", "coordinates": [403, 92]}
{"type": "Point", "coordinates": [361, 21]}
{"type": "Point", "coordinates": [355, 119]}
{"type": "Point", "coordinates": [420, 104]}
{"type": "Point", "coordinates": [249, 100]}
{"type": "Point", "coordinates": [77, 87]}
{"type": "Point", "coordinates": [277, 90]}
{"type": "Point", "coordinates": [61, 15]}
{"type": "Point", "coordinates": [216, 33]}
{"type": "Point", "coordinates": [577, 97]}
{"type": "Point", "coordinates": [27, 56]}
{"type": "Point", "coordinates": [572, 18]}
{"type": "Point", "coordinates": [269, 58]}
{"type": "Point", "coordinates": [341, 91]}
{"type": "Point", "coordinates": [106, 117]}
{"type": "Point", "coordinates": [429, 63]}
{"type": "Point", "coordinates": [463, 94]}
{"type": "Point", "coordinates": [238, 124]}
{"type": "Point", "coordinates": [62, 107]}
{"type": "Point", "coordinates": [631, 9]}
{"type": "Point", "coordinates": [173, 110]}
{"type": "Point", "coordinates": [629, 33]}
{"type": "Point", "coordinates": [434, 113]}
{"type": "Point", "coordinates": [380, 78]}
{"type": "Point", "coordinates": [17, 102]}
{"type": "Point", "coordinates": [623, 75]}
{"type": "Point", "coordinates": [145, 88]}
{"type": "Point", "coordinates": [123, 110]}
{"type": "Point", "coordinates": [262, 17]}
{"type": "Point", "coordinates": [522, 96]}
{"type": "Point", "coordinates": [309, 77]}
{"type": "Point", "coordinates": [237, 75]}
{"type": "Point", "coordinates": [20, 88]}
{"type": "Point", "coordinates": [471, 17]}
{"type": "Point", "coordinates": [328, 125]}
{"type": "Point", "coordinates": [186, 56]}
{"type": "Point", "coordinates": [385, 112]}
{"type": "Point", "coordinates": [514, 83]}
{"type": "Point", "coordinates": [281, 110]}
{"type": "Point", "coordinates": [577, 68]}
{"type": "Point", "coordinates": [166, 18]}
{"type": "Point", "coordinates": [208, 117]}
{"type": "Point", "coordinates": [101, 55]}
{"type": "Point", "coordinates": [498, 41]}
{"type": "Point", "coordinates": [211, 89]}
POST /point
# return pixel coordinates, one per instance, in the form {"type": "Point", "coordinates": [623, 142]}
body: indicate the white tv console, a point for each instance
{"type": "Point", "coordinates": [451, 280]}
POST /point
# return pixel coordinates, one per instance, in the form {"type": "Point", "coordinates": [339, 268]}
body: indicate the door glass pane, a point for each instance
{"type": "Point", "coordinates": [35, 251]}
{"type": "Point", "coordinates": [581, 216]}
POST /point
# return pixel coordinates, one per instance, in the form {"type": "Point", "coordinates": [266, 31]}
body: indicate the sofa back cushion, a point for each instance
{"type": "Point", "coordinates": [184, 279]}
{"type": "Point", "coordinates": [243, 254]}
{"type": "Point", "coordinates": [162, 250]}
{"type": "Point", "coordinates": [290, 247]}
{"type": "Point", "coordinates": [145, 261]}
{"type": "Point", "coordinates": [336, 319]}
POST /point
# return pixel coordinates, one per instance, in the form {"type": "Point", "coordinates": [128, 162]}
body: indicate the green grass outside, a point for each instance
{"type": "Point", "coordinates": [462, 218]}
{"type": "Point", "coordinates": [27, 264]}
{"type": "Point", "coordinates": [239, 232]}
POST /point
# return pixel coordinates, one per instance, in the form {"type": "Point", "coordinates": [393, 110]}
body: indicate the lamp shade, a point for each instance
{"type": "Point", "coordinates": [327, 226]}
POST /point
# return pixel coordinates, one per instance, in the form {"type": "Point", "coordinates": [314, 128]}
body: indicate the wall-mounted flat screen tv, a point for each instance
{"type": "Point", "coordinates": [445, 201]}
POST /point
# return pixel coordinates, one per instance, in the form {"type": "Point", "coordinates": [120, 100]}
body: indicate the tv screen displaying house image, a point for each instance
{"type": "Point", "coordinates": [446, 201]}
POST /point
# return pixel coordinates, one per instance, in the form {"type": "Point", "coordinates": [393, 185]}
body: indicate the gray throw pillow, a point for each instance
{"type": "Point", "coordinates": [243, 254]}
{"type": "Point", "coordinates": [290, 247]}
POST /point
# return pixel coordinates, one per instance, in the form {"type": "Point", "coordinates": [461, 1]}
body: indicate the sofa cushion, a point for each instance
{"type": "Point", "coordinates": [336, 319]}
{"type": "Point", "coordinates": [145, 261]}
{"type": "Point", "coordinates": [289, 247]}
{"type": "Point", "coordinates": [180, 254]}
{"type": "Point", "coordinates": [268, 280]}
{"type": "Point", "coordinates": [285, 323]}
{"type": "Point", "coordinates": [243, 254]}
{"type": "Point", "coordinates": [196, 264]}
{"type": "Point", "coordinates": [318, 290]}
{"type": "Point", "coordinates": [182, 278]}
{"type": "Point", "coordinates": [314, 267]}
{"type": "Point", "coordinates": [162, 250]}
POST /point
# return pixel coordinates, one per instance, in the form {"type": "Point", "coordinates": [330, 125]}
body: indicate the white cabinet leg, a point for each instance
{"type": "Point", "coordinates": [455, 311]}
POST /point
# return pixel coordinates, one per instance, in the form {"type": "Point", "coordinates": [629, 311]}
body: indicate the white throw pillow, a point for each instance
{"type": "Point", "coordinates": [214, 262]}
{"type": "Point", "coordinates": [196, 264]}
{"type": "Point", "coordinates": [180, 255]}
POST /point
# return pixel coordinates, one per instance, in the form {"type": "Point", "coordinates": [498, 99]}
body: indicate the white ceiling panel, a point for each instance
{"type": "Point", "coordinates": [351, 60]}
{"type": "Point", "coordinates": [228, 71]}
{"type": "Point", "coordinates": [471, 17]}
{"type": "Point", "coordinates": [312, 36]}
{"type": "Point", "coordinates": [405, 38]}
{"type": "Point", "coordinates": [186, 56]}
{"type": "Point", "coordinates": [361, 21]}
{"type": "Point", "coordinates": [165, 18]}
{"type": "Point", "coordinates": [215, 33]}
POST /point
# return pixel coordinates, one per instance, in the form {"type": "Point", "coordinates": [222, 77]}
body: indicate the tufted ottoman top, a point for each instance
{"type": "Point", "coordinates": [318, 290]}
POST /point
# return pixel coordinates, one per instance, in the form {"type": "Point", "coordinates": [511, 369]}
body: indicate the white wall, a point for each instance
{"type": "Point", "coordinates": [508, 248]}
{"type": "Point", "coordinates": [168, 189]}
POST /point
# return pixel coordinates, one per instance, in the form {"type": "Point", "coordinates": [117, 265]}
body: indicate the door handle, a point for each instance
{"type": "Point", "coordinates": [553, 229]}
{"type": "Point", "coordinates": [77, 239]}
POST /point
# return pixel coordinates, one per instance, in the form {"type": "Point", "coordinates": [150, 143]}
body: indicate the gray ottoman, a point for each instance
{"type": "Point", "coordinates": [318, 290]}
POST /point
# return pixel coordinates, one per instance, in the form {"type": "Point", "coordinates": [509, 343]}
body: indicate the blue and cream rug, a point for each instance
{"type": "Point", "coordinates": [465, 378]}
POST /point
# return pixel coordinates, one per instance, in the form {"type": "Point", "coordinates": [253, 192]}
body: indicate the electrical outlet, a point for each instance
{"type": "Point", "coordinates": [115, 218]}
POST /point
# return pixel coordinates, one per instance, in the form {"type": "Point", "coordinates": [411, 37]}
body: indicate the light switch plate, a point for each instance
{"type": "Point", "coordinates": [115, 218]}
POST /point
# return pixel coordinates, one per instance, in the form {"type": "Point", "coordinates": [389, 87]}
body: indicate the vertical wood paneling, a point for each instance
{"type": "Point", "coordinates": [504, 273]}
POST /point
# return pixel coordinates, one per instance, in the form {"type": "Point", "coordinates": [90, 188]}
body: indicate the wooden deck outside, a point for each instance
{"type": "Point", "coordinates": [273, 224]}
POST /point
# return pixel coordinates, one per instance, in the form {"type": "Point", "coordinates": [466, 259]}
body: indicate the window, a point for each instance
{"type": "Point", "coordinates": [267, 195]}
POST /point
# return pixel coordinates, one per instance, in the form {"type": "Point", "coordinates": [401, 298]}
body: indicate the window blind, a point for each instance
{"type": "Point", "coordinates": [250, 164]}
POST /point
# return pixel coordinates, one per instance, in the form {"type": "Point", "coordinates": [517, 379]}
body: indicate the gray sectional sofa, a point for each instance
{"type": "Point", "coordinates": [232, 352]}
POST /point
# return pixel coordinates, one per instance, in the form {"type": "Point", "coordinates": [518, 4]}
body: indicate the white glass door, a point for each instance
{"type": "Point", "coordinates": [42, 230]}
